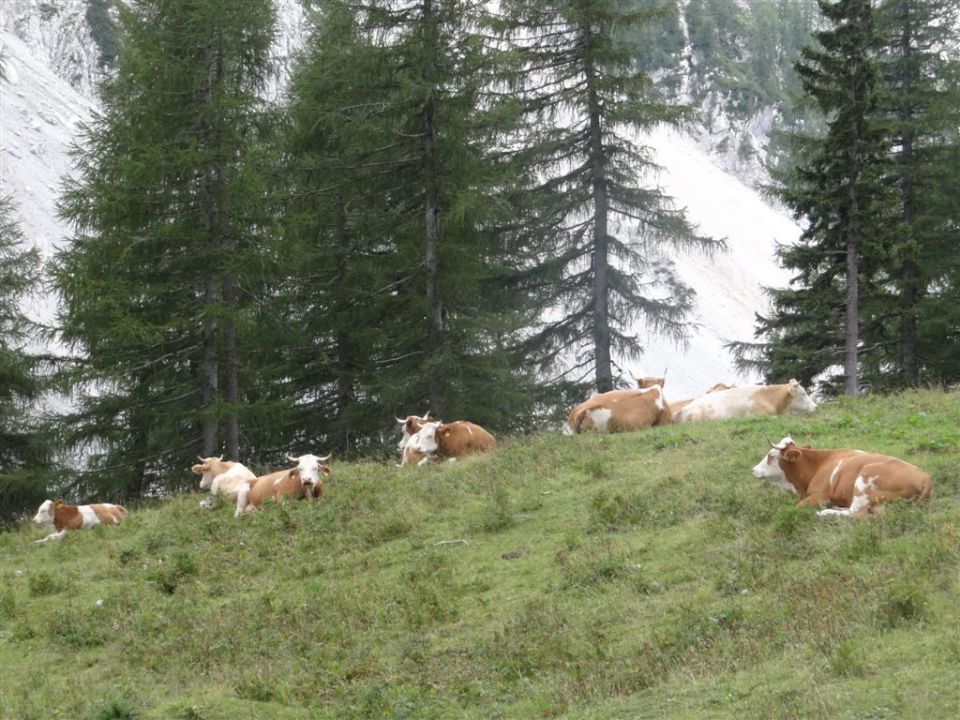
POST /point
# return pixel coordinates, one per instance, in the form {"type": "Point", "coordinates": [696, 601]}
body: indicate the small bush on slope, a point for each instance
{"type": "Point", "coordinates": [637, 575]}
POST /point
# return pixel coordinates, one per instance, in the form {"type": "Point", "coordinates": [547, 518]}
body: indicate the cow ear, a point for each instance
{"type": "Point", "coordinates": [791, 455]}
{"type": "Point", "coordinates": [325, 470]}
{"type": "Point", "coordinates": [294, 473]}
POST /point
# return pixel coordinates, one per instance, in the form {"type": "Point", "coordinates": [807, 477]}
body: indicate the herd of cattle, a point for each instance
{"type": "Point", "coordinates": [836, 481]}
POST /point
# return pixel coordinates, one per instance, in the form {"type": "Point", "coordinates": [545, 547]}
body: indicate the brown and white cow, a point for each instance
{"type": "Point", "coordinates": [747, 400]}
{"type": "Point", "coordinates": [447, 441]}
{"type": "Point", "coordinates": [619, 411]}
{"type": "Point", "coordinates": [65, 517]}
{"type": "Point", "coordinates": [410, 426]}
{"type": "Point", "coordinates": [304, 480]}
{"type": "Point", "coordinates": [677, 405]}
{"type": "Point", "coordinates": [856, 482]}
{"type": "Point", "coordinates": [223, 477]}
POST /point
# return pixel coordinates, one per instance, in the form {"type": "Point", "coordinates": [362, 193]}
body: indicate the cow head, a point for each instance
{"type": "Point", "coordinates": [44, 514]}
{"type": "Point", "coordinates": [425, 441]}
{"type": "Point", "coordinates": [308, 470]}
{"type": "Point", "coordinates": [799, 400]}
{"type": "Point", "coordinates": [771, 468]}
{"type": "Point", "coordinates": [411, 426]}
{"type": "Point", "coordinates": [643, 383]}
{"type": "Point", "coordinates": [209, 468]}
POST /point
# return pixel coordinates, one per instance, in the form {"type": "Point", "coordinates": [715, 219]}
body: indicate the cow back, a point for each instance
{"type": "Point", "coordinates": [462, 437]}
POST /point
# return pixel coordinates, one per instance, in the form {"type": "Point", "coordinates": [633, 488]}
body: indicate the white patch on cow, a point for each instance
{"type": "Point", "coordinates": [833, 476]}
{"type": "Point", "coordinates": [769, 469]}
{"type": "Point", "coordinates": [861, 501]}
{"type": "Point", "coordinates": [44, 514]}
{"type": "Point", "coordinates": [425, 441]}
{"type": "Point", "coordinates": [600, 418]}
{"type": "Point", "coordinates": [89, 516]}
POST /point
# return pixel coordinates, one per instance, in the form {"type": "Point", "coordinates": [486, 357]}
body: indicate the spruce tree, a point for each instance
{"type": "Point", "coordinates": [835, 189]}
{"type": "Point", "coordinates": [601, 233]}
{"type": "Point", "coordinates": [401, 203]}
{"type": "Point", "coordinates": [170, 243]}
{"type": "Point", "coordinates": [921, 104]}
{"type": "Point", "coordinates": [24, 447]}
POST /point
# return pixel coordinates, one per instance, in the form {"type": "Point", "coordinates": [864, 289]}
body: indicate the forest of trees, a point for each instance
{"type": "Point", "coordinates": [448, 210]}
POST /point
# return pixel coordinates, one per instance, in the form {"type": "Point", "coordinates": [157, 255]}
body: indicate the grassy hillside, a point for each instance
{"type": "Point", "coordinates": [644, 575]}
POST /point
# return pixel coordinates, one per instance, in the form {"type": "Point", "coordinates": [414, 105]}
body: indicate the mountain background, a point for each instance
{"type": "Point", "coordinates": [735, 69]}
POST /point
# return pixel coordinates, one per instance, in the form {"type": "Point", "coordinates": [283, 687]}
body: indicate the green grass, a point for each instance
{"type": "Point", "coordinates": [644, 575]}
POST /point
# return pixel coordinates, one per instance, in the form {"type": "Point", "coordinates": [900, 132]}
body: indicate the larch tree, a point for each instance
{"type": "Point", "coordinates": [601, 233]}
{"type": "Point", "coordinates": [170, 244]}
{"type": "Point", "coordinates": [24, 446]}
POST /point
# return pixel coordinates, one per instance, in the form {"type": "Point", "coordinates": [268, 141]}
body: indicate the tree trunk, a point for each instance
{"type": "Point", "coordinates": [600, 260]}
{"type": "Point", "coordinates": [210, 363]}
{"type": "Point", "coordinates": [431, 215]}
{"type": "Point", "coordinates": [232, 368]}
{"type": "Point", "coordinates": [344, 345]}
{"type": "Point", "coordinates": [910, 271]}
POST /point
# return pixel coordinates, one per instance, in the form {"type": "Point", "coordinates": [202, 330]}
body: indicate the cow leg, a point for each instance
{"type": "Point", "coordinates": [207, 502]}
{"type": "Point", "coordinates": [426, 459]}
{"type": "Point", "coordinates": [242, 498]}
{"type": "Point", "coordinates": [54, 536]}
{"type": "Point", "coordinates": [833, 511]}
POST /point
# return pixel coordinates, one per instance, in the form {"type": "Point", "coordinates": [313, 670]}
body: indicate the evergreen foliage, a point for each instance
{"type": "Point", "coordinates": [170, 220]}
{"type": "Point", "coordinates": [873, 289]}
{"type": "Point", "coordinates": [917, 328]}
{"type": "Point", "coordinates": [399, 202]}
{"type": "Point", "coordinates": [601, 232]}
{"type": "Point", "coordinates": [24, 453]}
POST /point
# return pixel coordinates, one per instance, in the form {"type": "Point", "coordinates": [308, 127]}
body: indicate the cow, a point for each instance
{"type": "Point", "coordinates": [65, 517]}
{"type": "Point", "coordinates": [447, 441]}
{"type": "Point", "coordinates": [301, 481]}
{"type": "Point", "coordinates": [747, 400]}
{"type": "Point", "coordinates": [411, 426]}
{"type": "Point", "coordinates": [856, 482]}
{"type": "Point", "coordinates": [224, 477]}
{"type": "Point", "coordinates": [620, 411]}
{"type": "Point", "coordinates": [677, 405]}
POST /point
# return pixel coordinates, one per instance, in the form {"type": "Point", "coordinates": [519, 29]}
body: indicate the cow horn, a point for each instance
{"type": "Point", "coordinates": [291, 458]}
{"type": "Point", "coordinates": [399, 420]}
{"type": "Point", "coordinates": [771, 444]}
{"type": "Point", "coordinates": [200, 458]}
{"type": "Point", "coordinates": [220, 458]}
{"type": "Point", "coordinates": [324, 459]}
{"type": "Point", "coordinates": [426, 415]}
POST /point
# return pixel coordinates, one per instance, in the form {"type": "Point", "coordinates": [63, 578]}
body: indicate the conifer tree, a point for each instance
{"type": "Point", "coordinates": [169, 247]}
{"type": "Point", "coordinates": [873, 190]}
{"type": "Point", "coordinates": [24, 448]}
{"type": "Point", "coordinates": [399, 204]}
{"type": "Point", "coordinates": [921, 74]}
{"type": "Point", "coordinates": [835, 188]}
{"type": "Point", "coordinates": [601, 232]}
